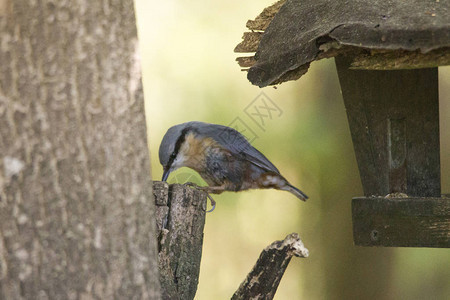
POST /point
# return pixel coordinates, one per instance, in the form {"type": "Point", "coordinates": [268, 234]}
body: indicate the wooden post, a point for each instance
{"type": "Point", "coordinates": [394, 122]}
{"type": "Point", "coordinates": [180, 219]}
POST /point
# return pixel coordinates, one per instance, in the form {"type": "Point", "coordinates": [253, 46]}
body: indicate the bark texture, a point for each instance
{"type": "Point", "coordinates": [180, 215]}
{"type": "Point", "coordinates": [76, 215]}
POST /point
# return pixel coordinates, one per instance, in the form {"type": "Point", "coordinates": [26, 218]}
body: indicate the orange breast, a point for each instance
{"type": "Point", "coordinates": [194, 150]}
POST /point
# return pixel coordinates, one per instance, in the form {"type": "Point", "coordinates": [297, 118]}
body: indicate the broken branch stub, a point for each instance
{"type": "Point", "coordinates": [263, 280]}
{"type": "Point", "coordinates": [180, 219]}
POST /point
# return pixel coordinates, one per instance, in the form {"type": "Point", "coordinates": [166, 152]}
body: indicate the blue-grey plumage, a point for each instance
{"type": "Point", "coordinates": [222, 156]}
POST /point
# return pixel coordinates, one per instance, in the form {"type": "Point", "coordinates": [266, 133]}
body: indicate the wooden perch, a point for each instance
{"type": "Point", "coordinates": [263, 280]}
{"type": "Point", "coordinates": [401, 222]}
{"type": "Point", "coordinates": [180, 219]}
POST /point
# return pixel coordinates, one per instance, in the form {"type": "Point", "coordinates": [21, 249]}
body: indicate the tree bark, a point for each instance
{"type": "Point", "coordinates": [76, 209]}
{"type": "Point", "coordinates": [180, 215]}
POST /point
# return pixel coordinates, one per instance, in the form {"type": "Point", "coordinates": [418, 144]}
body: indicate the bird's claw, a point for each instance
{"type": "Point", "coordinates": [213, 203]}
{"type": "Point", "coordinates": [204, 189]}
{"type": "Point", "coordinates": [191, 184]}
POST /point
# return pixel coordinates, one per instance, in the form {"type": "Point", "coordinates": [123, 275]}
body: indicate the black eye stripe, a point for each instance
{"type": "Point", "coordinates": [178, 144]}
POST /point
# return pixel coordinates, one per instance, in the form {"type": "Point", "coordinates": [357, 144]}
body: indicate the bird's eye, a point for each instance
{"type": "Point", "coordinates": [172, 156]}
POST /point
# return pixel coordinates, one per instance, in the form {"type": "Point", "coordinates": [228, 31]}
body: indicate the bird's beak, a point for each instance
{"type": "Point", "coordinates": [165, 174]}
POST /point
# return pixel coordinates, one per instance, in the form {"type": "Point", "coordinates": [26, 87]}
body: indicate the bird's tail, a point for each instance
{"type": "Point", "coordinates": [292, 189]}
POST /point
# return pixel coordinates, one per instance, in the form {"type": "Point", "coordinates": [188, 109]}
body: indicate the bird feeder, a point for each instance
{"type": "Point", "coordinates": [386, 54]}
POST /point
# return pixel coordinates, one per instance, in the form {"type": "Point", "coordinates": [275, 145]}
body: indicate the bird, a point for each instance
{"type": "Point", "coordinates": [222, 156]}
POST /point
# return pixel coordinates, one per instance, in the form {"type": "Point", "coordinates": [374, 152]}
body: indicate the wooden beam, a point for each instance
{"type": "Point", "coordinates": [401, 222]}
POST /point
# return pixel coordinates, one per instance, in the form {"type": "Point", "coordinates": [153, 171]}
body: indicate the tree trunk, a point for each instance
{"type": "Point", "coordinates": [76, 208]}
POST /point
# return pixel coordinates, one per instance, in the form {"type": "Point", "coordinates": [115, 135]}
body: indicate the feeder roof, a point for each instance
{"type": "Point", "coordinates": [380, 34]}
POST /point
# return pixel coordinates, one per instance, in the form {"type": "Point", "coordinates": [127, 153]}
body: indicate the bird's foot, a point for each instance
{"type": "Point", "coordinates": [191, 184]}
{"type": "Point", "coordinates": [205, 189]}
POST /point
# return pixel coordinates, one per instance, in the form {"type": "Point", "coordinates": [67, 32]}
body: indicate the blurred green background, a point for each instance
{"type": "Point", "coordinates": [190, 73]}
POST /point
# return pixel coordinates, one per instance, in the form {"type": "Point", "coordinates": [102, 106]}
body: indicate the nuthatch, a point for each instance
{"type": "Point", "coordinates": [222, 156]}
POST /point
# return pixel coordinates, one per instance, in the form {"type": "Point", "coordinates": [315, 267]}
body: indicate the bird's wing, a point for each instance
{"type": "Point", "coordinates": [236, 143]}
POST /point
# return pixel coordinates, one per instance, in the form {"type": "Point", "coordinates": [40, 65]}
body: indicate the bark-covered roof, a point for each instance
{"type": "Point", "coordinates": [385, 34]}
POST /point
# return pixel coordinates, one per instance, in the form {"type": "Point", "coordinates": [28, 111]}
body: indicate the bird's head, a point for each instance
{"type": "Point", "coordinates": [170, 156]}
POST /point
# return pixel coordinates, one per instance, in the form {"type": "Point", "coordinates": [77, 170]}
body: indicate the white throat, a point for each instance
{"type": "Point", "coordinates": [178, 162]}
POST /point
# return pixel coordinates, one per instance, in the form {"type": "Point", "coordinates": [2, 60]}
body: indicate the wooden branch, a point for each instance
{"type": "Point", "coordinates": [180, 219]}
{"type": "Point", "coordinates": [263, 280]}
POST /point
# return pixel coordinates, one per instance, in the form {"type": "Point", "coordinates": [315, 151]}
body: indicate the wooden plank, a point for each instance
{"type": "Point", "coordinates": [397, 155]}
{"type": "Point", "coordinates": [394, 122]}
{"type": "Point", "coordinates": [401, 222]}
